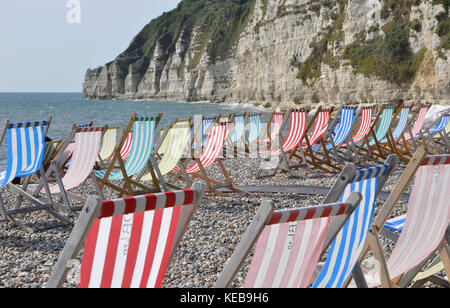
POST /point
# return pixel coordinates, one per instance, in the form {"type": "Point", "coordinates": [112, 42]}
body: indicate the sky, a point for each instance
{"type": "Point", "coordinates": [47, 45]}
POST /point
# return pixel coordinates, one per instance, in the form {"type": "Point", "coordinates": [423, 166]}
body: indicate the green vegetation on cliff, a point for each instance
{"type": "Point", "coordinates": [220, 22]}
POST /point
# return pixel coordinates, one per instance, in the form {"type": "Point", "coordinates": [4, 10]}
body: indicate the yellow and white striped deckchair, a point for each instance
{"type": "Point", "coordinates": [169, 152]}
{"type": "Point", "coordinates": [109, 143]}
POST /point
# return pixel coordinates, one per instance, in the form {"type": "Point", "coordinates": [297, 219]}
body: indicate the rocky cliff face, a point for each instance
{"type": "Point", "coordinates": [289, 52]}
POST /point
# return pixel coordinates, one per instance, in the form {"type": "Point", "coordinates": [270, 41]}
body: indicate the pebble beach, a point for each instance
{"type": "Point", "coordinates": [27, 259]}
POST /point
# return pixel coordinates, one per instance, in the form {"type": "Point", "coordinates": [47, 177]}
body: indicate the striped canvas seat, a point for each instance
{"type": "Point", "coordinates": [427, 217]}
{"type": "Point", "coordinates": [213, 147]}
{"type": "Point", "coordinates": [126, 148]}
{"type": "Point", "coordinates": [206, 123]}
{"type": "Point", "coordinates": [401, 125]}
{"type": "Point", "coordinates": [128, 243]}
{"type": "Point", "coordinates": [109, 143]}
{"type": "Point", "coordinates": [440, 126]}
{"type": "Point", "coordinates": [140, 150]}
{"type": "Point", "coordinates": [277, 122]}
{"type": "Point", "coordinates": [343, 129]}
{"type": "Point", "coordinates": [26, 147]}
{"type": "Point", "coordinates": [396, 223]}
{"type": "Point", "coordinates": [349, 243]}
{"type": "Point", "coordinates": [419, 123]}
{"type": "Point", "coordinates": [383, 128]}
{"type": "Point", "coordinates": [174, 144]}
{"type": "Point", "coordinates": [238, 129]}
{"type": "Point", "coordinates": [364, 125]}
{"type": "Point", "coordinates": [254, 129]}
{"type": "Point", "coordinates": [298, 119]}
{"type": "Point", "coordinates": [320, 127]}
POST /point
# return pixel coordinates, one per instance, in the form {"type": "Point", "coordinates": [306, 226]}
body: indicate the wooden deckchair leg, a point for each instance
{"type": "Point", "coordinates": [373, 241]}
{"type": "Point", "coordinates": [153, 166]}
{"type": "Point", "coordinates": [97, 186]}
{"type": "Point", "coordinates": [62, 190]}
{"type": "Point", "coordinates": [445, 256]}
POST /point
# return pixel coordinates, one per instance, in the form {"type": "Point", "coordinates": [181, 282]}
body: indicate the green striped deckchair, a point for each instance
{"type": "Point", "coordinates": [108, 143]}
{"type": "Point", "coordinates": [144, 130]}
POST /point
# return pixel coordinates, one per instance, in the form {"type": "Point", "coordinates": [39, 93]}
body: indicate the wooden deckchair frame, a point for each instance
{"type": "Point", "coordinates": [37, 205]}
{"type": "Point", "coordinates": [384, 213]}
{"type": "Point", "coordinates": [90, 212]}
{"type": "Point", "coordinates": [264, 213]}
{"type": "Point", "coordinates": [128, 181]}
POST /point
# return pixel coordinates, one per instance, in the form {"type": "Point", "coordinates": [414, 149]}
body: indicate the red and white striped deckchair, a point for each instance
{"type": "Point", "coordinates": [298, 120]}
{"type": "Point", "coordinates": [426, 224]}
{"type": "Point", "coordinates": [125, 151]}
{"type": "Point", "coordinates": [84, 157]}
{"type": "Point", "coordinates": [211, 154]}
{"type": "Point", "coordinates": [289, 244]}
{"type": "Point", "coordinates": [273, 130]}
{"type": "Point", "coordinates": [128, 243]}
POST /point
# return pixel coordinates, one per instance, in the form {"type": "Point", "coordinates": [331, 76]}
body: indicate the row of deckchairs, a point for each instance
{"type": "Point", "coordinates": [288, 243]}
{"type": "Point", "coordinates": [80, 156]}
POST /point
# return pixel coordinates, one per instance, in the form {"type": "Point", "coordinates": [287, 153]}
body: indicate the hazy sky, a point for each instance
{"type": "Point", "coordinates": [40, 51]}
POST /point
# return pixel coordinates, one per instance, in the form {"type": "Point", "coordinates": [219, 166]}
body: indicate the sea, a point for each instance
{"type": "Point", "coordinates": [67, 109]}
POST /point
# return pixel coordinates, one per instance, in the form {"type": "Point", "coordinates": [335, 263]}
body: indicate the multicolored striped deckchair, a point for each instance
{"type": "Point", "coordinates": [211, 154]}
{"type": "Point", "coordinates": [128, 243]}
{"type": "Point", "coordinates": [336, 135]}
{"type": "Point", "coordinates": [373, 145]}
{"type": "Point", "coordinates": [365, 124]}
{"type": "Point", "coordinates": [199, 140]}
{"type": "Point", "coordinates": [289, 244]}
{"type": "Point", "coordinates": [85, 154]}
{"type": "Point", "coordinates": [409, 137]}
{"type": "Point", "coordinates": [169, 151]}
{"type": "Point", "coordinates": [349, 243]}
{"type": "Point", "coordinates": [298, 121]}
{"type": "Point", "coordinates": [426, 221]}
{"type": "Point", "coordinates": [144, 131]}
{"type": "Point", "coordinates": [237, 137]}
{"type": "Point", "coordinates": [26, 147]}
{"type": "Point", "coordinates": [108, 144]}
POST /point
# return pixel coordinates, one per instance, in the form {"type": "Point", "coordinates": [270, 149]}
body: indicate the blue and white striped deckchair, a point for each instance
{"type": "Point", "coordinates": [254, 129]}
{"type": "Point", "coordinates": [238, 129]}
{"type": "Point", "coordinates": [26, 147]}
{"type": "Point", "coordinates": [440, 126]}
{"type": "Point", "coordinates": [427, 136]}
{"type": "Point", "coordinates": [206, 123]}
{"type": "Point", "coordinates": [349, 243]}
{"type": "Point", "coordinates": [144, 130]}
{"type": "Point", "coordinates": [401, 125]}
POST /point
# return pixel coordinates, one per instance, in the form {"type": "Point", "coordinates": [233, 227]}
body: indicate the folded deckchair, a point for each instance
{"type": "Point", "coordinates": [298, 121]}
{"type": "Point", "coordinates": [426, 222]}
{"type": "Point", "coordinates": [144, 131]}
{"type": "Point", "coordinates": [108, 144]}
{"type": "Point", "coordinates": [336, 135]}
{"type": "Point", "coordinates": [372, 146]}
{"type": "Point", "coordinates": [342, 258]}
{"type": "Point", "coordinates": [408, 138]}
{"type": "Point", "coordinates": [289, 244]}
{"type": "Point", "coordinates": [169, 151]}
{"type": "Point", "coordinates": [210, 155]}
{"type": "Point", "coordinates": [128, 243]}
{"type": "Point", "coordinates": [365, 124]}
{"type": "Point", "coordinates": [85, 154]}
{"type": "Point", "coordinates": [26, 147]}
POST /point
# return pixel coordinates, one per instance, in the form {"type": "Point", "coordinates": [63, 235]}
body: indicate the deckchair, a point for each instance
{"type": "Point", "coordinates": [169, 151]}
{"type": "Point", "coordinates": [388, 144]}
{"type": "Point", "coordinates": [237, 137]}
{"type": "Point", "coordinates": [108, 144]}
{"type": "Point", "coordinates": [425, 225]}
{"type": "Point", "coordinates": [254, 132]}
{"type": "Point", "coordinates": [365, 124]}
{"type": "Point", "coordinates": [210, 155]}
{"type": "Point", "coordinates": [426, 135]}
{"type": "Point", "coordinates": [298, 121]}
{"type": "Point", "coordinates": [126, 148]}
{"type": "Point", "coordinates": [321, 121]}
{"type": "Point", "coordinates": [144, 131]}
{"type": "Point", "coordinates": [408, 137]}
{"type": "Point", "coordinates": [128, 243]}
{"type": "Point", "coordinates": [273, 130]}
{"type": "Point", "coordinates": [85, 154]}
{"type": "Point", "coordinates": [372, 146]}
{"type": "Point", "coordinates": [342, 258]}
{"type": "Point", "coordinates": [26, 146]}
{"type": "Point", "coordinates": [336, 135]}
{"type": "Point", "coordinates": [289, 244]}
